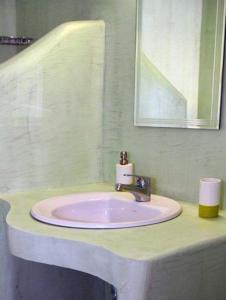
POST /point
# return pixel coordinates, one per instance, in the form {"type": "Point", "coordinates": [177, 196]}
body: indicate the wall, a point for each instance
{"type": "Point", "coordinates": [36, 281]}
{"type": "Point", "coordinates": [175, 158]}
{"type": "Point", "coordinates": [119, 17]}
{"type": "Point", "coordinates": [36, 18]}
{"type": "Point", "coordinates": [7, 27]}
{"type": "Point", "coordinates": [47, 91]}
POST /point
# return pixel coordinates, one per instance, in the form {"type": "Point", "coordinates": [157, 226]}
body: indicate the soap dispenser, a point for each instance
{"type": "Point", "coordinates": [124, 168]}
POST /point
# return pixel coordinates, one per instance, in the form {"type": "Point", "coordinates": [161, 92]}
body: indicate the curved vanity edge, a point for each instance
{"type": "Point", "coordinates": [77, 255]}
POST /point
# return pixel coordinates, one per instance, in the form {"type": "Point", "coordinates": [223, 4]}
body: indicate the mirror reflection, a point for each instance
{"type": "Point", "coordinates": [179, 63]}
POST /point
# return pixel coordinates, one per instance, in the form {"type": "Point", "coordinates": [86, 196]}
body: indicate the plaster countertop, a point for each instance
{"type": "Point", "coordinates": [123, 257]}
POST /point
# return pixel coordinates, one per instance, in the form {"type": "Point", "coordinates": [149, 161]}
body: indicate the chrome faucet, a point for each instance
{"type": "Point", "coordinates": [141, 189]}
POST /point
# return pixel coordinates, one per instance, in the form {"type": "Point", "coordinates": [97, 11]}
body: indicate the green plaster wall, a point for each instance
{"type": "Point", "coordinates": [36, 18]}
{"type": "Point", "coordinates": [175, 158]}
{"type": "Point", "coordinates": [45, 97]}
{"type": "Point", "coordinates": [7, 27]}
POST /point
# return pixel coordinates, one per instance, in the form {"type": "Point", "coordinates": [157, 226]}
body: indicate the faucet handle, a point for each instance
{"type": "Point", "coordinates": [141, 189]}
{"type": "Point", "coordinates": [141, 181]}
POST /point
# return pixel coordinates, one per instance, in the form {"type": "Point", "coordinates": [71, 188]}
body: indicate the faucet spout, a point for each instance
{"type": "Point", "coordinates": [141, 189]}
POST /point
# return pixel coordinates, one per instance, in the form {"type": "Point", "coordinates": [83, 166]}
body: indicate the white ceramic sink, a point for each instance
{"type": "Point", "coordinates": [104, 210]}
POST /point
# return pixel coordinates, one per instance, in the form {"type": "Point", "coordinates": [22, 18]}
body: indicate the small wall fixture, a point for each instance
{"type": "Point", "coordinates": [17, 41]}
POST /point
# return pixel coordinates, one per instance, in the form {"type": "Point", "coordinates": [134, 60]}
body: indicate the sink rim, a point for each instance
{"type": "Point", "coordinates": [42, 210]}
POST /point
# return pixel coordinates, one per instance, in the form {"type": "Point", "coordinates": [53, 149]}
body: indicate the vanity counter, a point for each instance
{"type": "Point", "coordinates": [185, 252]}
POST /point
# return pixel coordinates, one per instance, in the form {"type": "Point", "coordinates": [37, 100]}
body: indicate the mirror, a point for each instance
{"type": "Point", "coordinates": [179, 62]}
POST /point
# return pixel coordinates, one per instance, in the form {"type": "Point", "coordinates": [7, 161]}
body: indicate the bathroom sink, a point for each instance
{"type": "Point", "coordinates": [104, 210]}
